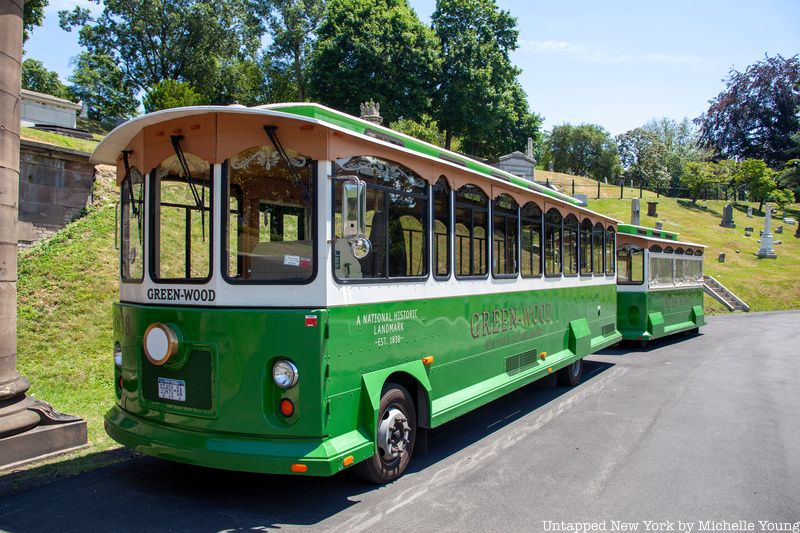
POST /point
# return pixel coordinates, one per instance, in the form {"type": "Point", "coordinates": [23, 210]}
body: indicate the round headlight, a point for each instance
{"type": "Point", "coordinates": [285, 374]}
{"type": "Point", "coordinates": [118, 355]}
{"type": "Point", "coordinates": [160, 343]}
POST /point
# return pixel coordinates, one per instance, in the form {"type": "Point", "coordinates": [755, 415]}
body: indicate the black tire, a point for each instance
{"type": "Point", "coordinates": [383, 467]}
{"type": "Point", "coordinates": [642, 343]}
{"type": "Point", "coordinates": [570, 375]}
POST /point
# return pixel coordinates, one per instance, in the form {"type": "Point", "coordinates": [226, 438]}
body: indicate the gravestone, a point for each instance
{"type": "Point", "coordinates": [779, 229]}
{"type": "Point", "coordinates": [721, 257]}
{"type": "Point", "coordinates": [727, 217]}
{"type": "Point", "coordinates": [659, 225]}
{"type": "Point", "coordinates": [790, 221]}
{"type": "Point", "coordinates": [652, 209]}
{"type": "Point", "coordinates": [748, 231]}
{"type": "Point", "coordinates": [635, 211]}
{"type": "Point", "coordinates": [797, 231]}
{"type": "Point", "coordinates": [767, 251]}
{"type": "Point", "coordinates": [750, 212]}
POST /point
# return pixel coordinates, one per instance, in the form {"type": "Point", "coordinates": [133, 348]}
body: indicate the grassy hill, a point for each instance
{"type": "Point", "coordinates": [68, 284]}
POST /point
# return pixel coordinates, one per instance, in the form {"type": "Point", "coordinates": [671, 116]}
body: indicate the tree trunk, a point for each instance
{"type": "Point", "coordinates": [761, 205]}
{"type": "Point", "coordinates": [15, 416]}
{"type": "Point", "coordinates": [448, 139]}
{"type": "Point", "coordinates": [298, 76]}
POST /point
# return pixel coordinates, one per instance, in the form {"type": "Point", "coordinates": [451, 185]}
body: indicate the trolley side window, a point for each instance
{"type": "Point", "coordinates": [132, 221]}
{"type": "Point", "coordinates": [597, 249]}
{"type": "Point", "coordinates": [531, 232]}
{"type": "Point", "coordinates": [610, 247]}
{"type": "Point", "coordinates": [270, 221]}
{"type": "Point", "coordinates": [630, 265]}
{"type": "Point", "coordinates": [397, 221]}
{"type": "Point", "coordinates": [552, 243]}
{"type": "Point", "coordinates": [504, 236]}
{"type": "Point", "coordinates": [472, 212]}
{"type": "Point", "coordinates": [181, 216]}
{"type": "Point", "coordinates": [571, 228]}
{"type": "Point", "coordinates": [441, 228]}
{"type": "Point", "coordinates": [586, 247]}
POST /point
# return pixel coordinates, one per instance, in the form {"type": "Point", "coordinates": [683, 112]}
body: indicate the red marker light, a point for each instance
{"type": "Point", "coordinates": [287, 407]}
{"type": "Point", "coordinates": [311, 321]}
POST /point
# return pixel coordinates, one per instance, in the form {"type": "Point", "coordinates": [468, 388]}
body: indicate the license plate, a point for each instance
{"type": "Point", "coordinates": [172, 389]}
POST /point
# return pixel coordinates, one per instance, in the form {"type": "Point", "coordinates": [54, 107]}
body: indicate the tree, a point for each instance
{"type": "Point", "coordinates": [167, 94]}
{"type": "Point", "coordinates": [756, 115]}
{"type": "Point", "coordinates": [32, 16]}
{"type": "Point", "coordinates": [36, 77]}
{"type": "Point", "coordinates": [293, 25]}
{"type": "Point", "coordinates": [782, 197]}
{"type": "Point", "coordinates": [476, 81]}
{"type": "Point", "coordinates": [186, 40]}
{"type": "Point", "coordinates": [101, 85]}
{"type": "Point", "coordinates": [643, 157]}
{"type": "Point", "coordinates": [757, 177]}
{"type": "Point", "coordinates": [374, 50]}
{"type": "Point", "coordinates": [587, 149]}
{"type": "Point", "coordinates": [681, 141]}
{"type": "Point", "coordinates": [425, 129]}
{"type": "Point", "coordinates": [698, 177]}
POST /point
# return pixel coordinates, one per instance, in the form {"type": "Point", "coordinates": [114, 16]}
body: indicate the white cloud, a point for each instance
{"type": "Point", "coordinates": [595, 54]}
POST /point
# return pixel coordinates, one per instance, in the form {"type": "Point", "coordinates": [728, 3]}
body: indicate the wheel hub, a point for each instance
{"type": "Point", "coordinates": [394, 433]}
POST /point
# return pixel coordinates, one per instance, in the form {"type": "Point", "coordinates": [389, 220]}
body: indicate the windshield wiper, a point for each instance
{"type": "Point", "coordinates": [200, 202]}
{"type": "Point", "coordinates": [273, 137]}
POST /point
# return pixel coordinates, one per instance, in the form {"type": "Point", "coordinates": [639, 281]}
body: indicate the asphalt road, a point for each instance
{"type": "Point", "coordinates": [701, 430]}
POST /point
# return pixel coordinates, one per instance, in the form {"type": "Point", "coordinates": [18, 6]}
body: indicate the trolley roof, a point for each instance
{"type": "Point", "coordinates": [654, 236]}
{"type": "Point", "coordinates": [109, 150]}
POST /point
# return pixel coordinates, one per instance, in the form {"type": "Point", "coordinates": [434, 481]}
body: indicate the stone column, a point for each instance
{"type": "Point", "coordinates": [766, 250]}
{"type": "Point", "coordinates": [14, 413]}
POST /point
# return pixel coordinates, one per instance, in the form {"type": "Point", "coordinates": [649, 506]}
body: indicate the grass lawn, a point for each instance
{"type": "Point", "coordinates": [83, 145]}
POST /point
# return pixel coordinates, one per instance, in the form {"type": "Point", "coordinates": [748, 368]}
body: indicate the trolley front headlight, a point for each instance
{"type": "Point", "coordinates": [285, 374]}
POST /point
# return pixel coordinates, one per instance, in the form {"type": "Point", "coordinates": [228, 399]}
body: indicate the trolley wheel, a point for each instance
{"type": "Point", "coordinates": [642, 343]}
{"type": "Point", "coordinates": [571, 375]}
{"type": "Point", "coordinates": [397, 432]}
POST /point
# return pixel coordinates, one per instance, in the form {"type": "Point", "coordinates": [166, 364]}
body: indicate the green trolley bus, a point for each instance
{"type": "Point", "coordinates": [302, 290]}
{"type": "Point", "coordinates": [660, 284]}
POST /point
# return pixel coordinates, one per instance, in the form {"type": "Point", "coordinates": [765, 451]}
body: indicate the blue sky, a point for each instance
{"type": "Point", "coordinates": [613, 63]}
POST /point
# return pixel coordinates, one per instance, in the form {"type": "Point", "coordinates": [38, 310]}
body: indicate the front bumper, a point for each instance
{"type": "Point", "coordinates": [323, 457]}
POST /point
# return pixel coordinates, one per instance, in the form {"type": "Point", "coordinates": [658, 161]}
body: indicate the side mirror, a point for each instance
{"type": "Point", "coordinates": [354, 208]}
{"type": "Point", "coordinates": [354, 216]}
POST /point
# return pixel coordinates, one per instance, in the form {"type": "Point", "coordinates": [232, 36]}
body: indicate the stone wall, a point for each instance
{"type": "Point", "coordinates": [55, 184]}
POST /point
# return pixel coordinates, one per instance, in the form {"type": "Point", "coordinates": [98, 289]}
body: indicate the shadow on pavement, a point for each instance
{"type": "Point", "coordinates": [146, 494]}
{"type": "Point", "coordinates": [633, 347]}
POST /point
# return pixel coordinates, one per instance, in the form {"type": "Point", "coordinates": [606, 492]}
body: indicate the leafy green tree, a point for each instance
{"type": "Point", "coordinates": [374, 50]}
{"type": "Point", "coordinates": [167, 94]}
{"type": "Point", "coordinates": [293, 25]}
{"type": "Point", "coordinates": [185, 40]}
{"type": "Point", "coordinates": [758, 178]}
{"type": "Point", "coordinates": [513, 124]}
{"type": "Point", "coordinates": [32, 16]}
{"type": "Point", "coordinates": [782, 197]}
{"type": "Point", "coordinates": [36, 77]}
{"type": "Point", "coordinates": [587, 150]}
{"type": "Point", "coordinates": [699, 177]}
{"type": "Point", "coordinates": [101, 85]}
{"type": "Point", "coordinates": [476, 90]}
{"type": "Point", "coordinates": [643, 157]}
{"type": "Point", "coordinates": [425, 129]}
{"type": "Point", "coordinates": [681, 141]}
{"type": "Point", "coordinates": [756, 115]}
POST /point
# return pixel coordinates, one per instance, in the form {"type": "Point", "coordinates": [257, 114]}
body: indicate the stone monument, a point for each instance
{"type": "Point", "coordinates": [652, 209]}
{"type": "Point", "coordinates": [371, 112]}
{"type": "Point", "coordinates": [659, 225]}
{"type": "Point", "coordinates": [750, 211]}
{"type": "Point", "coordinates": [635, 211]}
{"type": "Point", "coordinates": [767, 251]}
{"type": "Point", "coordinates": [727, 217]}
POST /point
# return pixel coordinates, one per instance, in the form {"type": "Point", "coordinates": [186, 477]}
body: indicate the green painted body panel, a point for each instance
{"type": "Point", "coordinates": [653, 314]}
{"type": "Point", "coordinates": [354, 124]}
{"type": "Point", "coordinates": [483, 347]}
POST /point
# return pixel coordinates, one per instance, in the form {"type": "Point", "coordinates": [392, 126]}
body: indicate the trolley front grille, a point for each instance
{"type": "Point", "coordinates": [197, 373]}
